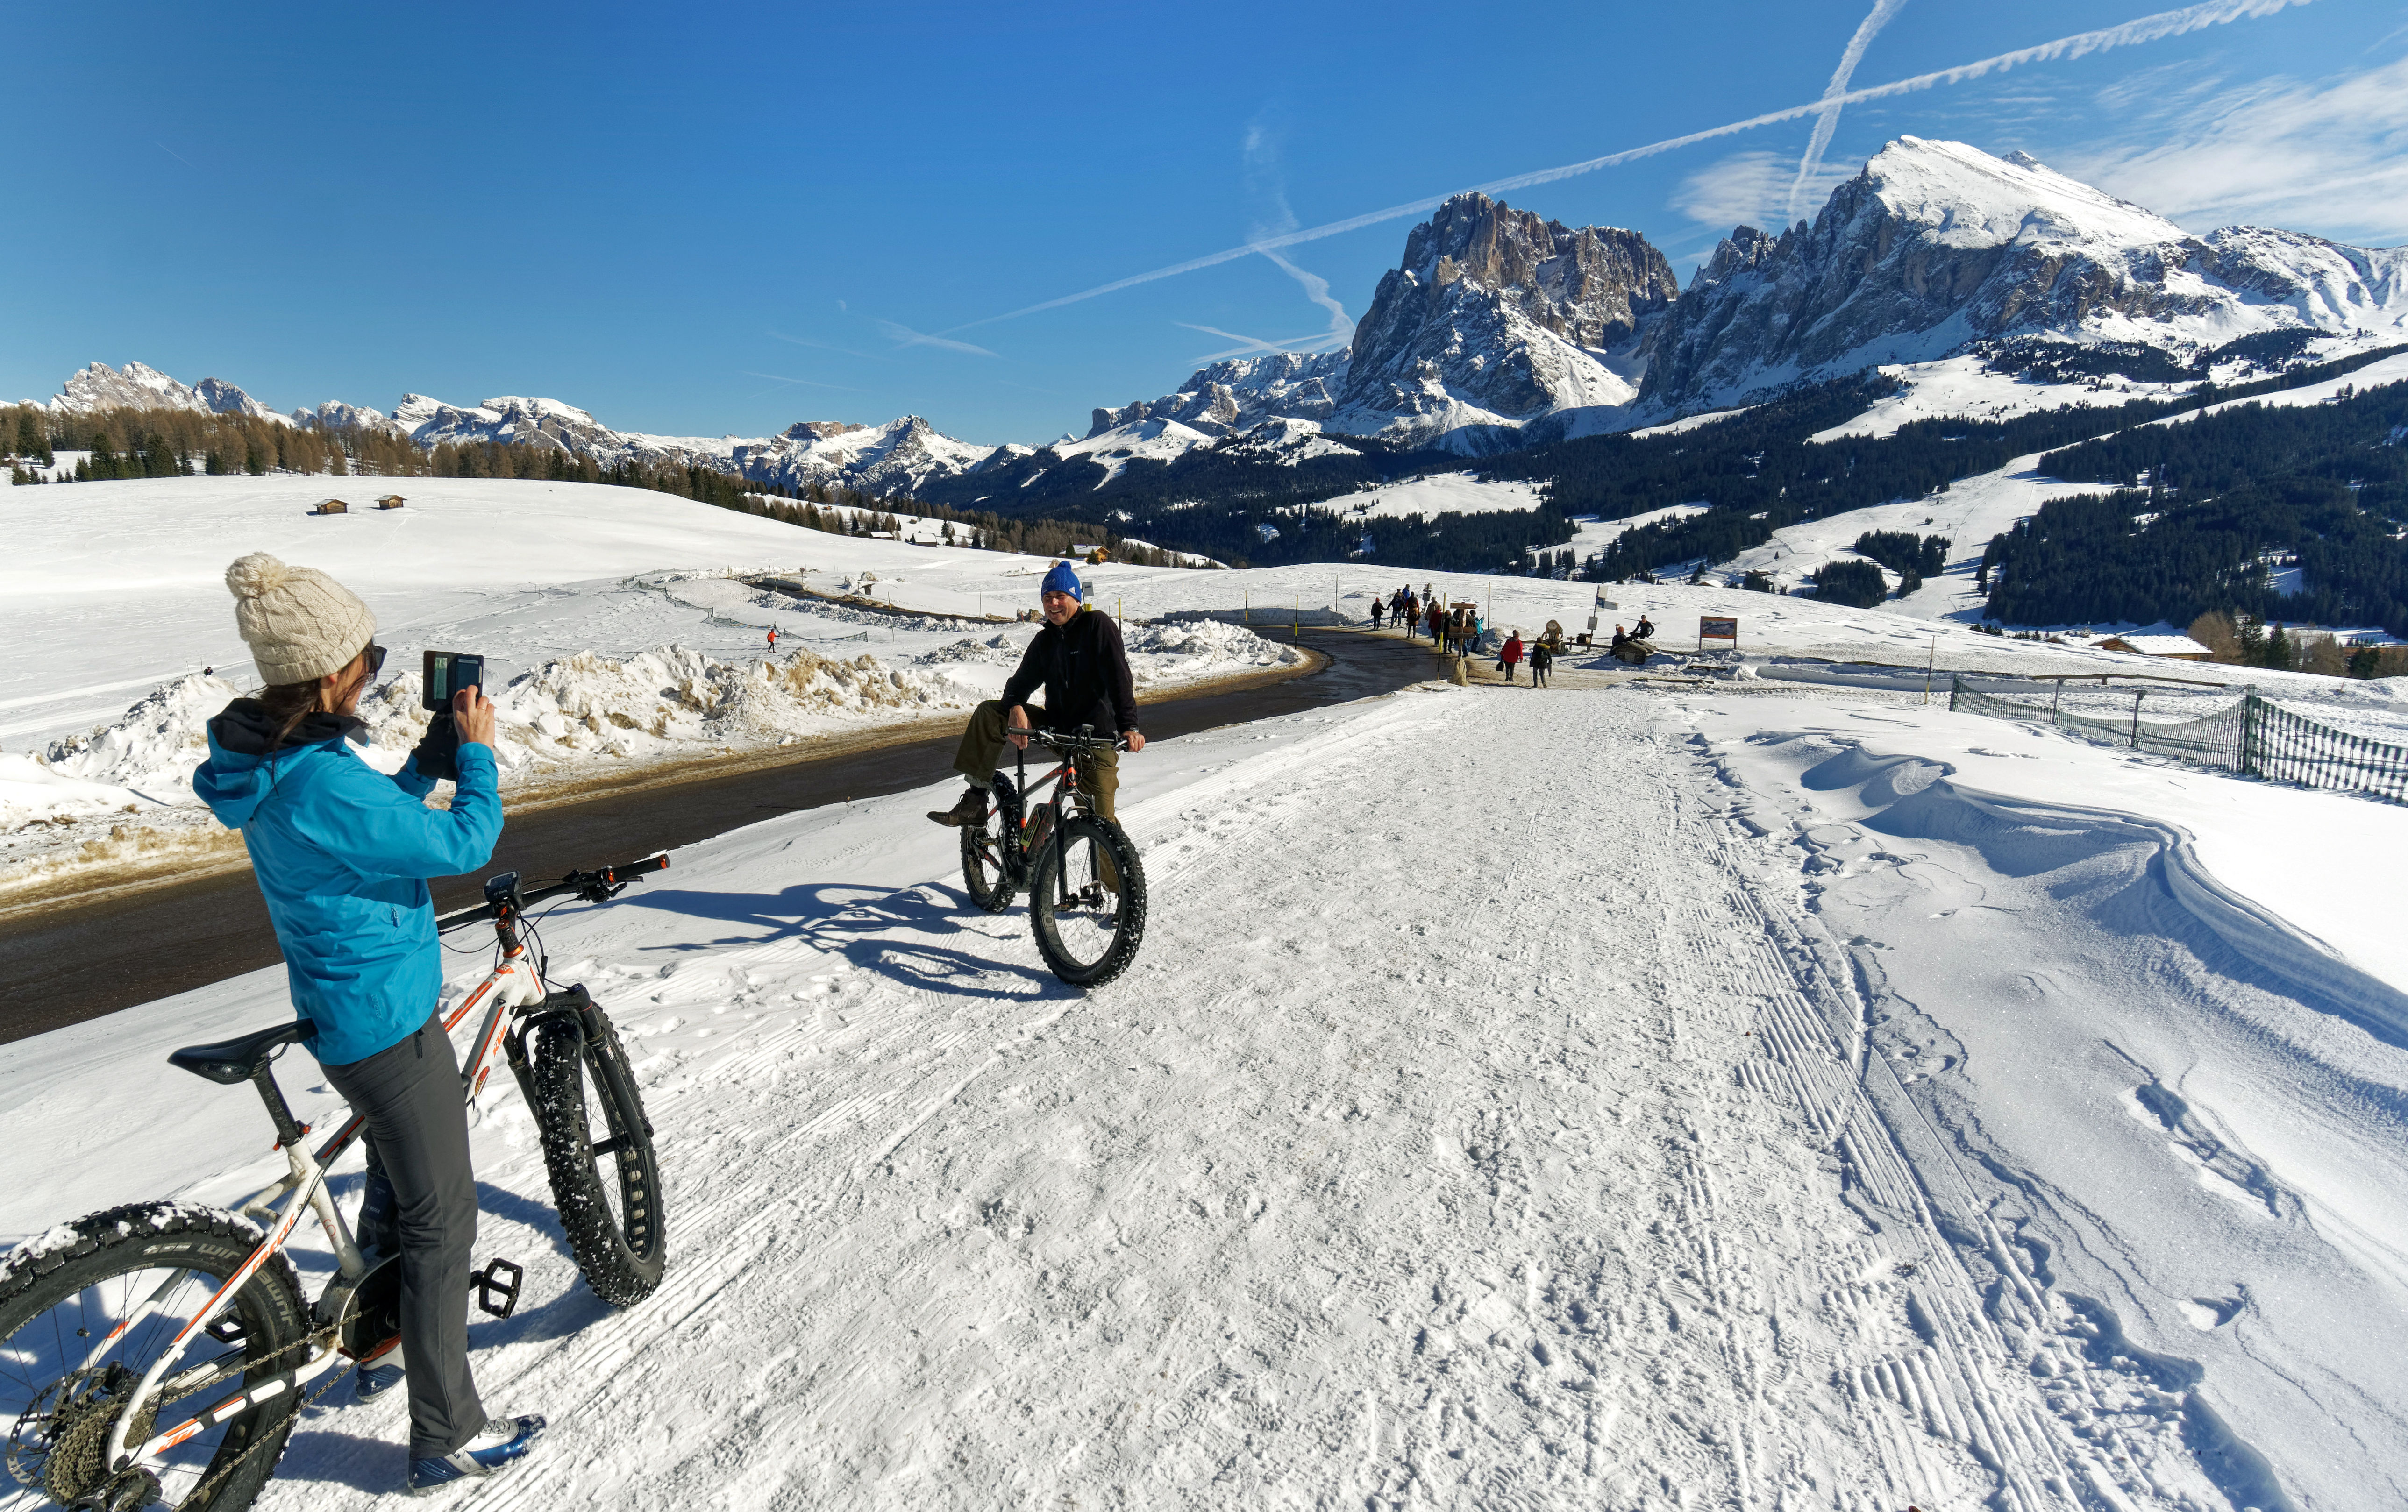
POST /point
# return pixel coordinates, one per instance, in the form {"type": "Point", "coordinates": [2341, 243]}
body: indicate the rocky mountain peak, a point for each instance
{"type": "Point", "coordinates": [1591, 286]}
{"type": "Point", "coordinates": [820, 429]}
{"type": "Point", "coordinates": [1496, 317]}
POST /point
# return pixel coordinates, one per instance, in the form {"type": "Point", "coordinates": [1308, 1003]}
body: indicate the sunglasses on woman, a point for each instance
{"type": "Point", "coordinates": [375, 653]}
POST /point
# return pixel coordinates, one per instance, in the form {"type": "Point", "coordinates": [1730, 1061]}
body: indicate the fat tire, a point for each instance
{"type": "Point", "coordinates": [1045, 885]}
{"type": "Point", "coordinates": [986, 876]}
{"type": "Point", "coordinates": [623, 1262]}
{"type": "Point", "coordinates": [170, 1236]}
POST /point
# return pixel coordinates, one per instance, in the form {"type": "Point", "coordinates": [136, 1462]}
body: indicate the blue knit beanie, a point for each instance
{"type": "Point", "coordinates": [1064, 579]}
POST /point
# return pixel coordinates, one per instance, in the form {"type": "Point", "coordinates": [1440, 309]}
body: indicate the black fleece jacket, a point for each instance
{"type": "Point", "coordinates": [1085, 671]}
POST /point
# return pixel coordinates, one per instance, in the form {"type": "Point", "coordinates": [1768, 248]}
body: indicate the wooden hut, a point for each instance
{"type": "Point", "coordinates": [390, 501]}
{"type": "Point", "coordinates": [330, 506]}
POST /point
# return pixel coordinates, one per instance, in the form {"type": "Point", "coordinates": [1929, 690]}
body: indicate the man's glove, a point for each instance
{"type": "Point", "coordinates": [437, 754]}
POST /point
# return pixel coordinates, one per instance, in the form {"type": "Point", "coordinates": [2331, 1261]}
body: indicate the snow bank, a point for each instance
{"type": "Point", "coordinates": [1182, 650]}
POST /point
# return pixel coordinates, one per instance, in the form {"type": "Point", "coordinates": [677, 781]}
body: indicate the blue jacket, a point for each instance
{"type": "Point", "coordinates": [342, 853]}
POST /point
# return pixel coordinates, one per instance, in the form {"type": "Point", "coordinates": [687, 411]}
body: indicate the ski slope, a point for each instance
{"type": "Point", "coordinates": [1727, 1099]}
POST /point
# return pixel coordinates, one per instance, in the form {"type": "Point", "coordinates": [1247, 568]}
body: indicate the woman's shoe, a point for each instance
{"type": "Point", "coordinates": [502, 1443]}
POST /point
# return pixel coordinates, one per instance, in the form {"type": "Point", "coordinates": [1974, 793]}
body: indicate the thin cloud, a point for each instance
{"type": "Point", "coordinates": [822, 346]}
{"type": "Point", "coordinates": [2327, 155]}
{"type": "Point", "coordinates": [1257, 347]}
{"type": "Point", "coordinates": [1748, 187]}
{"type": "Point", "coordinates": [808, 384]}
{"type": "Point", "coordinates": [1828, 120]}
{"type": "Point", "coordinates": [1316, 289]}
{"type": "Point", "coordinates": [903, 336]}
{"type": "Point", "coordinates": [2146, 29]}
{"type": "Point", "coordinates": [1266, 182]}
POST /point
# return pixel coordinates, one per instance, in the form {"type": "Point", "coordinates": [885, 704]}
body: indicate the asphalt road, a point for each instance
{"type": "Point", "coordinates": [70, 964]}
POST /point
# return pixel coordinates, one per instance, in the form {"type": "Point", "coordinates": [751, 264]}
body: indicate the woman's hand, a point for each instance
{"type": "Point", "coordinates": [473, 712]}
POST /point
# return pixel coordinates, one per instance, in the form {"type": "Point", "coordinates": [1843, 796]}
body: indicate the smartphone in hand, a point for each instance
{"type": "Point", "coordinates": [447, 673]}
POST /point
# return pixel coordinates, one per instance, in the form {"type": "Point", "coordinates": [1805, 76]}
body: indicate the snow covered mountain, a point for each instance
{"type": "Point", "coordinates": [1937, 246]}
{"type": "Point", "coordinates": [1495, 318]}
{"type": "Point", "coordinates": [1240, 394]}
{"type": "Point", "coordinates": [899, 457]}
{"type": "Point", "coordinates": [137, 386]}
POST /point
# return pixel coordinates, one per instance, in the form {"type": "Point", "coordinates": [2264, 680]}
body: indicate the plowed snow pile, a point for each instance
{"type": "Point", "coordinates": [1783, 1104]}
{"type": "Point", "coordinates": [124, 790]}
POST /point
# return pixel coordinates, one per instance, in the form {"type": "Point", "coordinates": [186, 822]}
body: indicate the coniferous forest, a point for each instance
{"type": "Point", "coordinates": [2190, 510]}
{"type": "Point", "coordinates": [2201, 511]}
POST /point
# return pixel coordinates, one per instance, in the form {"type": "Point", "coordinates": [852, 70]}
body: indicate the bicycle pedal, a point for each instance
{"type": "Point", "coordinates": [491, 1281]}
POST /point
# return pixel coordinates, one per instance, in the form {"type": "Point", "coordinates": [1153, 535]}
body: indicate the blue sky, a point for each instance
{"type": "Point", "coordinates": [706, 219]}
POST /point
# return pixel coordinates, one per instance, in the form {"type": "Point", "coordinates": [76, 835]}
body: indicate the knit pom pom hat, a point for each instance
{"type": "Point", "coordinates": [299, 623]}
{"type": "Point", "coordinates": [1064, 579]}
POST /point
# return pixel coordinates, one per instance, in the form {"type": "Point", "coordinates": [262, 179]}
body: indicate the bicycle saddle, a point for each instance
{"type": "Point", "coordinates": [236, 1059]}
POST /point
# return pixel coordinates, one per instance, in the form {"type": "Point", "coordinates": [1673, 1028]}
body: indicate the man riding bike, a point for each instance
{"type": "Point", "coordinates": [342, 853]}
{"type": "Point", "coordinates": [1079, 661]}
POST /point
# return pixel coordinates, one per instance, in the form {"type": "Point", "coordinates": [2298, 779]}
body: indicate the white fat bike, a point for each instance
{"type": "Point", "coordinates": [159, 1353]}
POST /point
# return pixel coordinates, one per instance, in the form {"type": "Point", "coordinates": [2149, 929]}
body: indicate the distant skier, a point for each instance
{"type": "Point", "coordinates": [1542, 660]}
{"type": "Point", "coordinates": [773, 640]}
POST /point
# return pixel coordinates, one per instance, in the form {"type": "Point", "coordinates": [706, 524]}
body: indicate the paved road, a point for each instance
{"type": "Point", "coordinates": [66, 966]}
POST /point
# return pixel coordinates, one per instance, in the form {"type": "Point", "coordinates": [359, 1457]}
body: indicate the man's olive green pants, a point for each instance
{"type": "Point", "coordinates": [983, 745]}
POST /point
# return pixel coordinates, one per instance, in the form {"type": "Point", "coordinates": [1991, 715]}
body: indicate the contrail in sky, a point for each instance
{"type": "Point", "coordinates": [2146, 29]}
{"type": "Point", "coordinates": [1828, 121]}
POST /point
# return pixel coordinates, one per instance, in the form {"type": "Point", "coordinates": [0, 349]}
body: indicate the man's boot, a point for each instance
{"type": "Point", "coordinates": [970, 811]}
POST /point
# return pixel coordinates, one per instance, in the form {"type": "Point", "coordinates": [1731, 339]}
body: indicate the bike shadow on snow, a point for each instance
{"type": "Point", "coordinates": [861, 923]}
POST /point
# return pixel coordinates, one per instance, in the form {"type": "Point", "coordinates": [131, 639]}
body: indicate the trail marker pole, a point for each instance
{"type": "Point", "coordinates": [1930, 657]}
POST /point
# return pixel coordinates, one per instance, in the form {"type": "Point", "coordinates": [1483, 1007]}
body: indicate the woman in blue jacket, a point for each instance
{"type": "Point", "coordinates": [342, 853]}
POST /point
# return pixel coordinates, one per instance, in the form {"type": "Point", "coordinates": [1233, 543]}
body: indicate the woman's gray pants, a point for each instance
{"type": "Point", "coordinates": [418, 1132]}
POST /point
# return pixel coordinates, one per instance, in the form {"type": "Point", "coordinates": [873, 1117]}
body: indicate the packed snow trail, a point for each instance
{"type": "Point", "coordinates": [1443, 1169]}
{"type": "Point", "coordinates": [1484, 1123]}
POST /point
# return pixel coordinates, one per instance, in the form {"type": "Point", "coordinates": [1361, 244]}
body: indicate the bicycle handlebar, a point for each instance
{"type": "Point", "coordinates": [1083, 743]}
{"type": "Point", "coordinates": [596, 886]}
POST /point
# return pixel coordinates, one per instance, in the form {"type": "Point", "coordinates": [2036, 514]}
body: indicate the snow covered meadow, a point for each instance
{"type": "Point", "coordinates": [1769, 1091]}
{"type": "Point", "coordinates": [619, 626]}
{"type": "Point", "coordinates": [1753, 1097]}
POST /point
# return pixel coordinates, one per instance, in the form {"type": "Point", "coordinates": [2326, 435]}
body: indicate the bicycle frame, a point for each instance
{"type": "Point", "coordinates": [1064, 779]}
{"type": "Point", "coordinates": [516, 981]}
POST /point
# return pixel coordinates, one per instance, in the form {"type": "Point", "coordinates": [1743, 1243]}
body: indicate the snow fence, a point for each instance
{"type": "Point", "coordinates": [2256, 737]}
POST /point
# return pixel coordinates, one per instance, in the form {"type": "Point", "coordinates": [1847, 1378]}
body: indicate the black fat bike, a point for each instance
{"type": "Point", "coordinates": [160, 1353]}
{"type": "Point", "coordinates": [1085, 882]}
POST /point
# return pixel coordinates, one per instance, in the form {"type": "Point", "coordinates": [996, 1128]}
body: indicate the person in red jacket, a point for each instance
{"type": "Point", "coordinates": [1512, 656]}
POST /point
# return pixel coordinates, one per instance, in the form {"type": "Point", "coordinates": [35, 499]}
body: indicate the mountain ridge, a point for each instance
{"type": "Point", "coordinates": [1986, 280]}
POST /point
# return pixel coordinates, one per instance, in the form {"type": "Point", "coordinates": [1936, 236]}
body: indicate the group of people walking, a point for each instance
{"type": "Point", "coordinates": [1456, 631]}
{"type": "Point", "coordinates": [1453, 630]}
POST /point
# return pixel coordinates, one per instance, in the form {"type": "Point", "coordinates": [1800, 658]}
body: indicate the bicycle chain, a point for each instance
{"type": "Point", "coordinates": [199, 1493]}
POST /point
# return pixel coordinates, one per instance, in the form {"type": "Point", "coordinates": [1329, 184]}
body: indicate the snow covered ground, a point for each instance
{"type": "Point", "coordinates": [1439, 494]}
{"type": "Point", "coordinates": [1670, 1100]}
{"type": "Point", "coordinates": [618, 624]}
